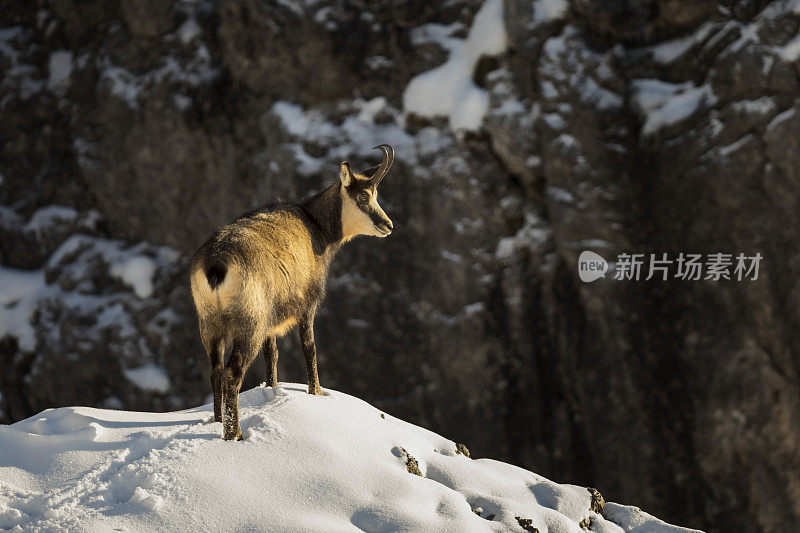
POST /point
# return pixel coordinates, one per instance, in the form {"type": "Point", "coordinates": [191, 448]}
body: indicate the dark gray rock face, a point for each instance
{"type": "Point", "coordinates": [130, 130]}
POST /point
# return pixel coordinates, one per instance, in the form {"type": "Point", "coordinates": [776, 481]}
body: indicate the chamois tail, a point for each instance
{"type": "Point", "coordinates": [214, 286]}
{"type": "Point", "coordinates": [215, 275]}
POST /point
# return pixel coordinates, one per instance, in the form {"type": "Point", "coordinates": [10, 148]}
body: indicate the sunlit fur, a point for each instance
{"type": "Point", "coordinates": [259, 276]}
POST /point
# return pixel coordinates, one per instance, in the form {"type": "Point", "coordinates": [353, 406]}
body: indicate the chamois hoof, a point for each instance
{"type": "Point", "coordinates": [229, 435]}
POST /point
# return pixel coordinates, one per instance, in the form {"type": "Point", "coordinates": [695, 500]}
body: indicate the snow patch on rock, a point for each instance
{"type": "Point", "coordinates": [149, 377]}
{"type": "Point", "coordinates": [20, 294]}
{"type": "Point", "coordinates": [568, 66]}
{"type": "Point", "coordinates": [448, 90]}
{"type": "Point", "coordinates": [668, 51]}
{"type": "Point", "coordinates": [549, 10]}
{"type": "Point", "coordinates": [44, 219]}
{"type": "Point", "coordinates": [758, 106]}
{"type": "Point", "coordinates": [189, 30]}
{"type": "Point", "coordinates": [137, 272]}
{"type": "Point", "coordinates": [60, 68]}
{"type": "Point", "coordinates": [781, 117]}
{"type": "Point", "coordinates": [791, 50]}
{"type": "Point", "coordinates": [66, 285]}
{"type": "Point", "coordinates": [663, 104]}
{"type": "Point", "coordinates": [355, 135]}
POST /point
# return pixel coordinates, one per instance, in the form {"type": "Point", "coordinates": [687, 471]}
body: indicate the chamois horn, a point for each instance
{"type": "Point", "coordinates": [386, 164]}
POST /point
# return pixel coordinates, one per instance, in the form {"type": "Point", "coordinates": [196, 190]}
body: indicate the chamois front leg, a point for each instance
{"type": "Point", "coordinates": [271, 358]}
{"type": "Point", "coordinates": [242, 356]}
{"type": "Point", "coordinates": [310, 352]}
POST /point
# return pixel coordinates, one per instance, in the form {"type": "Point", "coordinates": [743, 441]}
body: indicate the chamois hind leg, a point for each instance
{"type": "Point", "coordinates": [215, 348]}
{"type": "Point", "coordinates": [271, 358]}
{"type": "Point", "coordinates": [310, 352]}
{"type": "Point", "coordinates": [242, 356]}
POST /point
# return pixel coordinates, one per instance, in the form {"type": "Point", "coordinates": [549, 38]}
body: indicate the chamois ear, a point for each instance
{"type": "Point", "coordinates": [346, 174]}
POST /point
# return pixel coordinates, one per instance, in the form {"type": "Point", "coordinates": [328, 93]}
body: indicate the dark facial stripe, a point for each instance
{"type": "Point", "coordinates": [376, 217]}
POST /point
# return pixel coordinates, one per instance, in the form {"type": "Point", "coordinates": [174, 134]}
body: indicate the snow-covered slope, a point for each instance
{"type": "Point", "coordinates": [324, 463]}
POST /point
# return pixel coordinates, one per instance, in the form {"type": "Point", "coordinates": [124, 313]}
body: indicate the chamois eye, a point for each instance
{"type": "Point", "coordinates": [363, 197]}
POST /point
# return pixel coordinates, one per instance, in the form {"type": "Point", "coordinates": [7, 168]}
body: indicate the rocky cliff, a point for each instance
{"type": "Point", "coordinates": [525, 133]}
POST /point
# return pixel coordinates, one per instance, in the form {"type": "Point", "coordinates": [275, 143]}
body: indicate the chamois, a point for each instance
{"type": "Point", "coordinates": [264, 273]}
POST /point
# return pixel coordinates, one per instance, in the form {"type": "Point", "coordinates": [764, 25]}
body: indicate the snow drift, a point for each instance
{"type": "Point", "coordinates": [308, 463]}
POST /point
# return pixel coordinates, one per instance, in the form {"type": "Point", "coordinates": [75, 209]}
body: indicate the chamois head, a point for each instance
{"type": "Point", "coordinates": [361, 214]}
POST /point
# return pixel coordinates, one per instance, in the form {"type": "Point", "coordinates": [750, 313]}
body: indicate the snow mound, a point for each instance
{"type": "Point", "coordinates": [308, 463]}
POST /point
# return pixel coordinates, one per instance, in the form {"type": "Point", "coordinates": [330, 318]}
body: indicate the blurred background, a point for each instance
{"type": "Point", "coordinates": [525, 132]}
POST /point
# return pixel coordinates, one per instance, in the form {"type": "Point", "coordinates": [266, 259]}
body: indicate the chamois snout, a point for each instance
{"type": "Point", "coordinates": [385, 227]}
{"type": "Point", "coordinates": [382, 223]}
